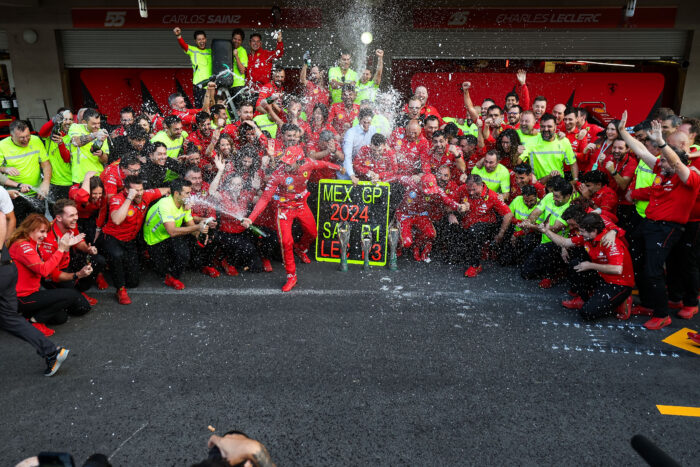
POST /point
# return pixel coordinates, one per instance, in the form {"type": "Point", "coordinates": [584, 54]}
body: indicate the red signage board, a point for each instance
{"type": "Point", "coordinates": [205, 18]}
{"type": "Point", "coordinates": [542, 18]}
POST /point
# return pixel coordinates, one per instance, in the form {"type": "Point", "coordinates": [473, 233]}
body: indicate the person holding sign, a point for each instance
{"type": "Point", "coordinates": [287, 186]}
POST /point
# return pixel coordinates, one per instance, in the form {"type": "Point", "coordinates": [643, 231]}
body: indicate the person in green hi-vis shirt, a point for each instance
{"type": "Point", "coordinates": [340, 75]}
{"type": "Point", "coordinates": [200, 56]}
{"type": "Point", "coordinates": [167, 229]}
{"type": "Point", "coordinates": [368, 85]}
{"type": "Point", "coordinates": [87, 141]}
{"type": "Point", "coordinates": [240, 65]}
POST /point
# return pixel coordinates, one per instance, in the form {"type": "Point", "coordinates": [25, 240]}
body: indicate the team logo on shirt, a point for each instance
{"type": "Point", "coordinates": [130, 212]}
{"type": "Point", "coordinates": [290, 187]}
{"type": "Point", "coordinates": [306, 174]}
{"type": "Point", "coordinates": [587, 248]}
{"type": "Point", "coordinates": [316, 91]}
{"type": "Point", "coordinates": [340, 116]}
{"type": "Point", "coordinates": [658, 180]}
{"type": "Point", "coordinates": [288, 180]}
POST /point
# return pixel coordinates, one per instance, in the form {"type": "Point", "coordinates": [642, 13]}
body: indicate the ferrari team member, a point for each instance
{"type": "Point", "coordinates": [178, 107]}
{"type": "Point", "coordinates": [53, 132]}
{"type": "Point", "coordinates": [341, 76]}
{"type": "Point", "coordinates": [287, 186]}
{"type": "Point", "coordinates": [92, 207]}
{"type": "Point", "coordinates": [549, 155]}
{"type": "Point", "coordinates": [442, 153]}
{"type": "Point", "coordinates": [81, 265]}
{"type": "Point", "coordinates": [480, 223]}
{"type": "Point", "coordinates": [88, 145]}
{"type": "Point", "coordinates": [605, 283]}
{"type": "Point", "coordinates": [494, 174]}
{"type": "Point", "coordinates": [261, 61]}
{"type": "Point", "coordinates": [201, 59]}
{"type": "Point", "coordinates": [24, 160]}
{"type": "Point", "coordinates": [344, 112]}
{"type": "Point", "coordinates": [42, 306]}
{"type": "Point", "coordinates": [114, 174]}
{"type": "Point", "coordinates": [421, 197]}
{"type": "Point", "coordinates": [671, 197]}
{"type": "Point", "coordinates": [522, 241]}
{"type": "Point", "coordinates": [594, 188]}
{"type": "Point", "coordinates": [375, 162]}
{"type": "Point", "coordinates": [126, 214]}
{"type": "Point", "coordinates": [168, 222]}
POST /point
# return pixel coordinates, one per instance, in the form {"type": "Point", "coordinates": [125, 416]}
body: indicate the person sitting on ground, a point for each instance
{"type": "Point", "coordinates": [43, 307]}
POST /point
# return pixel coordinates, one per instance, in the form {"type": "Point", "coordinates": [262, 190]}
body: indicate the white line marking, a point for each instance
{"type": "Point", "coordinates": [127, 440]}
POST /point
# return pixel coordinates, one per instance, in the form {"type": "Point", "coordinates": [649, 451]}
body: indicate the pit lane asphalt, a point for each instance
{"type": "Point", "coordinates": [420, 366]}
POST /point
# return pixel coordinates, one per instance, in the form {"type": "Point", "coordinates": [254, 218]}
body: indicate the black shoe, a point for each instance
{"type": "Point", "coordinates": [53, 361]}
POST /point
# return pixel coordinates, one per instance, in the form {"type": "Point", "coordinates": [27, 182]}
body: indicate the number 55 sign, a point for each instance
{"type": "Point", "coordinates": [364, 207]}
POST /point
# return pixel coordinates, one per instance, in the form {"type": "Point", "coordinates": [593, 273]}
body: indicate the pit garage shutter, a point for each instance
{"type": "Point", "coordinates": [146, 48]}
{"type": "Point", "coordinates": [630, 44]}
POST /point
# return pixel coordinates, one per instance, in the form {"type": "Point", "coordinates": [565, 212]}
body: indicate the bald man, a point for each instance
{"type": "Point", "coordinates": [558, 112]}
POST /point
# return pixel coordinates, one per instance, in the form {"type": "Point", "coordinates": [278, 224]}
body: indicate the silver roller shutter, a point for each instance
{"type": "Point", "coordinates": [4, 45]}
{"type": "Point", "coordinates": [158, 48]}
{"type": "Point", "coordinates": [577, 44]}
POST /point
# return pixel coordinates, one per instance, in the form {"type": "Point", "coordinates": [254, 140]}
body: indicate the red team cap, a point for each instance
{"type": "Point", "coordinates": [292, 155]}
{"type": "Point", "coordinates": [430, 186]}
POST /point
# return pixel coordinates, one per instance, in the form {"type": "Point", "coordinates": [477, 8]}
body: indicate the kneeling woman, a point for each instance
{"type": "Point", "coordinates": [42, 306]}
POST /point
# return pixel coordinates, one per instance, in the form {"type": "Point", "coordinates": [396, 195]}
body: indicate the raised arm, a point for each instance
{"type": "Point", "coordinates": [468, 101]}
{"type": "Point", "coordinates": [636, 146]}
{"type": "Point", "coordinates": [380, 68]}
{"type": "Point", "coordinates": [674, 161]}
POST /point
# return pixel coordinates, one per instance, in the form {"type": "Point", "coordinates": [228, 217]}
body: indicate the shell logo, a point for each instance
{"type": "Point", "coordinates": [658, 180]}
{"type": "Point", "coordinates": [130, 212]}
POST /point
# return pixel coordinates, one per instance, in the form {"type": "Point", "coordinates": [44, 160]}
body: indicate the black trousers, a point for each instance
{"type": "Point", "coordinates": [53, 306]}
{"type": "Point", "coordinates": [12, 322]}
{"type": "Point", "coordinates": [240, 250]}
{"type": "Point", "coordinates": [171, 256]}
{"type": "Point", "coordinates": [78, 260]}
{"type": "Point", "coordinates": [199, 92]}
{"type": "Point", "coordinates": [123, 259]}
{"type": "Point", "coordinates": [544, 261]}
{"type": "Point", "coordinates": [268, 247]}
{"type": "Point", "coordinates": [448, 241]}
{"type": "Point", "coordinates": [474, 239]}
{"type": "Point", "coordinates": [516, 253]}
{"type": "Point", "coordinates": [601, 298]}
{"type": "Point", "coordinates": [200, 254]}
{"type": "Point", "coordinates": [88, 227]}
{"type": "Point", "coordinates": [682, 268]}
{"type": "Point", "coordinates": [659, 240]}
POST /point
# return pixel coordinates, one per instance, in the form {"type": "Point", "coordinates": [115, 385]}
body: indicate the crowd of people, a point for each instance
{"type": "Point", "coordinates": [227, 185]}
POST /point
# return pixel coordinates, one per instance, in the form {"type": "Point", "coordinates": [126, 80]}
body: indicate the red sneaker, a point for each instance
{"type": "Point", "coordinates": [41, 327]}
{"type": "Point", "coordinates": [291, 282]}
{"type": "Point", "coordinates": [473, 271]}
{"type": "Point", "coordinates": [675, 305]}
{"type": "Point", "coordinates": [575, 303]}
{"type": "Point", "coordinates": [267, 266]}
{"type": "Point", "coordinates": [657, 323]}
{"type": "Point", "coordinates": [170, 281]}
{"type": "Point", "coordinates": [90, 300]}
{"type": "Point", "coordinates": [210, 271]}
{"type": "Point", "coordinates": [123, 297]}
{"type": "Point", "coordinates": [101, 282]}
{"type": "Point", "coordinates": [624, 310]}
{"type": "Point", "coordinates": [228, 269]}
{"type": "Point", "coordinates": [642, 310]}
{"type": "Point", "coordinates": [425, 254]}
{"type": "Point", "coordinates": [687, 312]}
{"type": "Point", "coordinates": [546, 283]}
{"type": "Point", "coordinates": [695, 337]}
{"type": "Point", "coordinates": [302, 255]}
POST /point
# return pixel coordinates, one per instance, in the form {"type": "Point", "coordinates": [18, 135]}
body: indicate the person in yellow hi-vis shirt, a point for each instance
{"type": "Point", "coordinates": [174, 137]}
{"type": "Point", "coordinates": [340, 75]}
{"type": "Point", "coordinates": [89, 150]}
{"type": "Point", "coordinates": [168, 224]}
{"type": "Point", "coordinates": [24, 160]}
{"type": "Point", "coordinates": [200, 57]}
{"type": "Point", "coordinates": [240, 65]}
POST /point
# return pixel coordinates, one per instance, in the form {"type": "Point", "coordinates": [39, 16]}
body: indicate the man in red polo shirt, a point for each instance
{"type": "Point", "coordinates": [127, 210]}
{"type": "Point", "coordinates": [411, 150]}
{"type": "Point", "coordinates": [178, 106]}
{"type": "Point", "coordinates": [72, 271]}
{"type": "Point", "coordinates": [114, 174]}
{"type": "Point", "coordinates": [375, 162]}
{"type": "Point", "coordinates": [578, 138]}
{"type": "Point", "coordinates": [672, 197]}
{"type": "Point", "coordinates": [271, 95]}
{"type": "Point", "coordinates": [261, 61]}
{"type": "Point", "coordinates": [443, 154]}
{"type": "Point", "coordinates": [480, 223]}
{"type": "Point", "coordinates": [421, 94]}
{"type": "Point", "coordinates": [605, 283]}
{"type": "Point", "coordinates": [594, 187]}
{"type": "Point", "coordinates": [343, 113]}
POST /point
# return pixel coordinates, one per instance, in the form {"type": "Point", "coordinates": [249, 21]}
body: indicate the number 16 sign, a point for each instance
{"type": "Point", "coordinates": [365, 209]}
